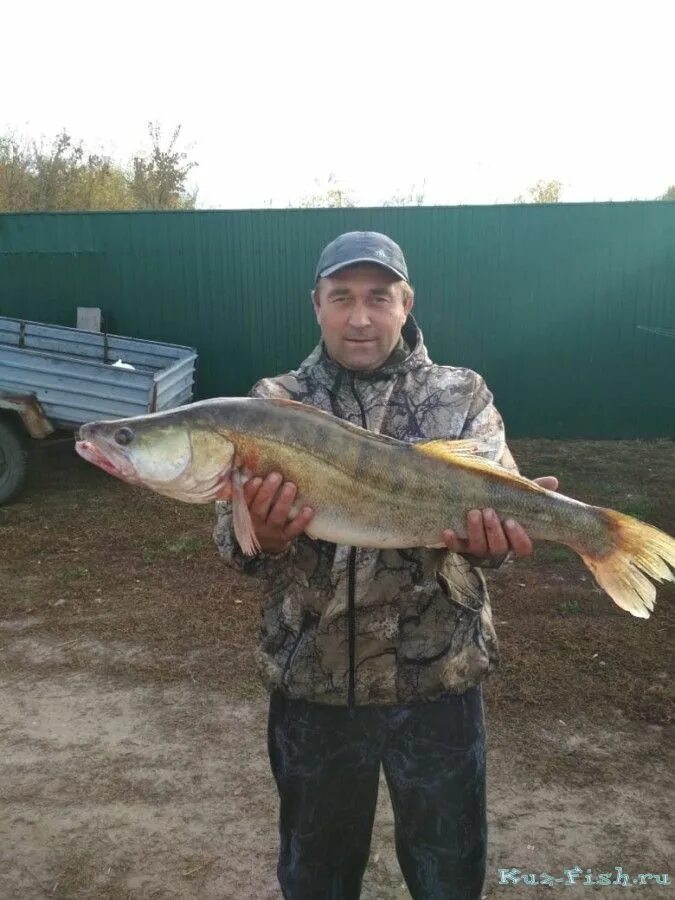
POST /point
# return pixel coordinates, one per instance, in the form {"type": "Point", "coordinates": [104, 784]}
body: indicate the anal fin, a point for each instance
{"type": "Point", "coordinates": [243, 526]}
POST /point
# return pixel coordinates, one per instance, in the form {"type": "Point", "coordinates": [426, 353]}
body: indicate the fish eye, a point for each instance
{"type": "Point", "coordinates": [124, 436]}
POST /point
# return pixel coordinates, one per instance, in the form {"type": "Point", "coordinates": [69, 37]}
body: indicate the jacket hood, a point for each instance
{"type": "Point", "coordinates": [404, 358]}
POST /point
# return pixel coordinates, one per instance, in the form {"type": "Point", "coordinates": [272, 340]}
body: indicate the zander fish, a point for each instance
{"type": "Point", "coordinates": [368, 490]}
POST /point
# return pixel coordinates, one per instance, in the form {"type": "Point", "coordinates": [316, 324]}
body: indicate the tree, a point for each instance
{"type": "Point", "coordinates": [669, 194]}
{"type": "Point", "coordinates": [58, 176]}
{"type": "Point", "coordinates": [542, 192]}
{"type": "Point", "coordinates": [159, 179]}
{"type": "Point", "coordinates": [15, 179]}
{"type": "Point", "coordinates": [57, 172]}
{"type": "Point", "coordinates": [62, 175]}
{"type": "Point", "coordinates": [331, 195]}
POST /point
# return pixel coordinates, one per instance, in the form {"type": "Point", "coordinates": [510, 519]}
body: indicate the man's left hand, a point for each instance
{"type": "Point", "coordinates": [488, 536]}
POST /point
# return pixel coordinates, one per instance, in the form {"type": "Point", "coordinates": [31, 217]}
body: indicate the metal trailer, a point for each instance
{"type": "Point", "coordinates": [53, 377]}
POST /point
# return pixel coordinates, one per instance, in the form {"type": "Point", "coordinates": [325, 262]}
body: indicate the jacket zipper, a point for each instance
{"type": "Point", "coordinates": [351, 585]}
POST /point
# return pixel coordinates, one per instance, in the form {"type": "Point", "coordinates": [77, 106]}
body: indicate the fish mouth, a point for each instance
{"type": "Point", "coordinates": [93, 454]}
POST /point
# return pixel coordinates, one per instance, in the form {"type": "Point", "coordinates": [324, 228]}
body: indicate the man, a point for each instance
{"type": "Point", "coordinates": [375, 657]}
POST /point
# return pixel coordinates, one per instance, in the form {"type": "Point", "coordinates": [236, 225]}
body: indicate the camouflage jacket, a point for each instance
{"type": "Point", "coordinates": [344, 625]}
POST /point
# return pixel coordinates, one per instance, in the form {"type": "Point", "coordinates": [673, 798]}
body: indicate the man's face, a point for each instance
{"type": "Point", "coordinates": [360, 310]}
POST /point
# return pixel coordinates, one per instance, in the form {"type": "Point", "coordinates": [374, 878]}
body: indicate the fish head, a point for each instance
{"type": "Point", "coordinates": [189, 462]}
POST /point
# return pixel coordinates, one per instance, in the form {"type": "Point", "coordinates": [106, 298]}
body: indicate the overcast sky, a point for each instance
{"type": "Point", "coordinates": [476, 99]}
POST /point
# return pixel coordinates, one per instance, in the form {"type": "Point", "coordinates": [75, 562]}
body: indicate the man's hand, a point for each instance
{"type": "Point", "coordinates": [487, 536]}
{"type": "Point", "coordinates": [269, 503]}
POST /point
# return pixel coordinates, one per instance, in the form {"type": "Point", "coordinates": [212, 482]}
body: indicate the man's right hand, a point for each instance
{"type": "Point", "coordinates": [269, 503]}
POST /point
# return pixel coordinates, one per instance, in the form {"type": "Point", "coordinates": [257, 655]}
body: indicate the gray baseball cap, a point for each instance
{"type": "Point", "coordinates": [361, 246]}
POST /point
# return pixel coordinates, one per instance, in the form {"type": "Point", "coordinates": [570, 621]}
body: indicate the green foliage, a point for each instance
{"type": "Point", "coordinates": [542, 192]}
{"type": "Point", "coordinates": [62, 175]}
{"type": "Point", "coordinates": [554, 553]}
{"type": "Point", "coordinates": [73, 572]}
{"type": "Point", "coordinates": [183, 546]}
{"type": "Point", "coordinates": [159, 179]}
{"type": "Point", "coordinates": [571, 608]}
{"type": "Point", "coordinates": [669, 194]}
{"type": "Point", "coordinates": [186, 545]}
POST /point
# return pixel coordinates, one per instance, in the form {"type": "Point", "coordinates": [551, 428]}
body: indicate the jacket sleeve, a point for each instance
{"type": "Point", "coordinates": [485, 424]}
{"type": "Point", "coordinates": [265, 565]}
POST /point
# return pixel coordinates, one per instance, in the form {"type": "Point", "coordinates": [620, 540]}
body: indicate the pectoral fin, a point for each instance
{"type": "Point", "coordinates": [243, 526]}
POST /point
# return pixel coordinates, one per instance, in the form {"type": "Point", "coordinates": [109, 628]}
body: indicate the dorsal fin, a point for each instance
{"type": "Point", "coordinates": [463, 453]}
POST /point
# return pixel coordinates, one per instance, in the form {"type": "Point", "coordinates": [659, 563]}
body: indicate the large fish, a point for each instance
{"type": "Point", "coordinates": [368, 490]}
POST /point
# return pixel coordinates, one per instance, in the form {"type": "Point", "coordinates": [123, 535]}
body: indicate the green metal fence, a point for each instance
{"type": "Point", "coordinates": [568, 310]}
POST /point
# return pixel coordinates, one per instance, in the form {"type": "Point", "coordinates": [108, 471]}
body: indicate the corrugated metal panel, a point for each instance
{"type": "Point", "coordinates": [564, 308]}
{"type": "Point", "coordinates": [73, 373]}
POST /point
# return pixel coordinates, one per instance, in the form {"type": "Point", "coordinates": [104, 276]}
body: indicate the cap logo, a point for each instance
{"type": "Point", "coordinates": [381, 253]}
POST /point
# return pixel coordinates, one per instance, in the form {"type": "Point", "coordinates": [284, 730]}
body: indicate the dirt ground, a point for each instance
{"type": "Point", "coordinates": [132, 726]}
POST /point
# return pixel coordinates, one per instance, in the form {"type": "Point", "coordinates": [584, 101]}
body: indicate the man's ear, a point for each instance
{"type": "Point", "coordinates": [409, 302]}
{"type": "Point", "coordinates": [315, 302]}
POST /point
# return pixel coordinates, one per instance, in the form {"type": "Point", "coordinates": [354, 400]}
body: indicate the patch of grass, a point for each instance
{"type": "Point", "coordinates": [571, 608]}
{"type": "Point", "coordinates": [186, 545]}
{"type": "Point", "coordinates": [182, 547]}
{"type": "Point", "coordinates": [548, 552]}
{"type": "Point", "coordinates": [637, 506]}
{"type": "Point", "coordinates": [71, 573]}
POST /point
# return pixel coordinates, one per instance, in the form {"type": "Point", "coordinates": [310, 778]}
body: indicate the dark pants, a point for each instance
{"type": "Point", "coordinates": [326, 762]}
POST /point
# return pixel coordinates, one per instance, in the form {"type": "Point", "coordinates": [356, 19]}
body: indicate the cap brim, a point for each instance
{"type": "Point", "coordinates": [362, 259]}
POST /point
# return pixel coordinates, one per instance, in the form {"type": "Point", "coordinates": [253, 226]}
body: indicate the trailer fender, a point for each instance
{"type": "Point", "coordinates": [29, 410]}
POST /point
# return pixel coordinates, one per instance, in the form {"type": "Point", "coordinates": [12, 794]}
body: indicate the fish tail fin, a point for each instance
{"type": "Point", "coordinates": [638, 550]}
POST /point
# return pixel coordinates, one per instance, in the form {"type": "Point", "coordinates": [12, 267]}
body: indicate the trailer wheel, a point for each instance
{"type": "Point", "coordinates": [13, 463]}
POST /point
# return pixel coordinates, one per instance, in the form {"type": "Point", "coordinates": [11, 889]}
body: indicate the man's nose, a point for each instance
{"type": "Point", "coordinates": [359, 317]}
